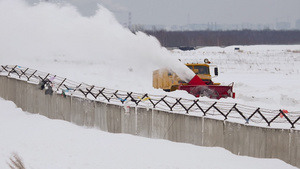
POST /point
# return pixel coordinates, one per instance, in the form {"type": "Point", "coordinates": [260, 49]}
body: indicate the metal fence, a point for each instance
{"type": "Point", "coordinates": [212, 109]}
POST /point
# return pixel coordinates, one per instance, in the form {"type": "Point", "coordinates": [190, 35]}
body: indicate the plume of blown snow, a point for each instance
{"type": "Point", "coordinates": [58, 35]}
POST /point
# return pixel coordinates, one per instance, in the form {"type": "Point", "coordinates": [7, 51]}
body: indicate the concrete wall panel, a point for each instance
{"type": "Point", "coordinates": [176, 127]}
{"type": "Point", "coordinates": [63, 108]}
{"type": "Point", "coordinates": [100, 116]}
{"type": "Point", "coordinates": [58, 102]}
{"type": "Point", "coordinates": [277, 144]}
{"type": "Point", "coordinates": [257, 141]}
{"type": "Point", "coordinates": [77, 111]}
{"type": "Point", "coordinates": [113, 118]}
{"type": "Point", "coordinates": [3, 86]}
{"type": "Point", "coordinates": [243, 148]}
{"type": "Point", "coordinates": [144, 122]}
{"type": "Point", "coordinates": [295, 148]}
{"type": "Point", "coordinates": [32, 99]}
{"type": "Point", "coordinates": [12, 84]}
{"type": "Point", "coordinates": [42, 102]}
{"type": "Point", "coordinates": [233, 137]}
{"type": "Point", "coordinates": [193, 127]}
{"type": "Point", "coordinates": [21, 87]}
{"type": "Point", "coordinates": [213, 135]}
{"type": "Point", "coordinates": [129, 121]}
{"type": "Point", "coordinates": [160, 124]}
{"type": "Point", "coordinates": [51, 105]}
{"type": "Point", "coordinates": [89, 112]}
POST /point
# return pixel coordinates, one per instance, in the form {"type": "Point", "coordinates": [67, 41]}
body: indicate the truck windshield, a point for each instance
{"type": "Point", "coordinates": [201, 70]}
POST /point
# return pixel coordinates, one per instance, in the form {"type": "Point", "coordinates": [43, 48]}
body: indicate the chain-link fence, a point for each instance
{"type": "Point", "coordinates": [214, 109]}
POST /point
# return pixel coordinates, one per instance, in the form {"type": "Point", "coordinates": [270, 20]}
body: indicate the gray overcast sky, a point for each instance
{"type": "Point", "coordinates": [181, 12]}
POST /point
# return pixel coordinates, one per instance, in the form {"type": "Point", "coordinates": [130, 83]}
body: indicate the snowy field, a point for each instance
{"type": "Point", "coordinates": [266, 76]}
{"type": "Point", "coordinates": [98, 50]}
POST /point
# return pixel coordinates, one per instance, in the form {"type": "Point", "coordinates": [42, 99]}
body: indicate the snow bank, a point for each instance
{"type": "Point", "coordinates": [48, 144]}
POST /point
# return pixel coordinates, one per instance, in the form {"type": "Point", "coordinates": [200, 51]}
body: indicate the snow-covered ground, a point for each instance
{"type": "Point", "coordinates": [98, 50]}
{"type": "Point", "coordinates": [265, 76]}
{"type": "Point", "coordinates": [48, 144]}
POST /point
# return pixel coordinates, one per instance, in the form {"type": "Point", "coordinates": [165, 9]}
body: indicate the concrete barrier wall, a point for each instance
{"type": "Point", "coordinates": [238, 138]}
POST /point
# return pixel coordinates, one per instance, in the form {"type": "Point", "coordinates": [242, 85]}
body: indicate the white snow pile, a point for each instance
{"type": "Point", "coordinates": [97, 50]}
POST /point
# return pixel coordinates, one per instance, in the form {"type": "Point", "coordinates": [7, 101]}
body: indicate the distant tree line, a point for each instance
{"type": "Point", "coordinates": [225, 38]}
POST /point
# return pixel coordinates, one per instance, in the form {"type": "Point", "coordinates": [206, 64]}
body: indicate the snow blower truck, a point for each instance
{"type": "Point", "coordinates": [201, 85]}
